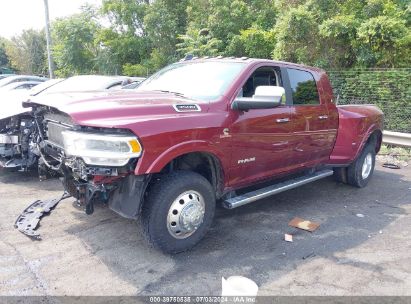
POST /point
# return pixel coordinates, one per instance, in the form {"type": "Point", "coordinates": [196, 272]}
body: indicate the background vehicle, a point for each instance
{"type": "Point", "coordinates": [20, 78]}
{"type": "Point", "coordinates": [2, 76]}
{"type": "Point", "coordinates": [204, 130]}
{"type": "Point", "coordinates": [17, 128]}
{"type": "Point", "coordinates": [23, 85]}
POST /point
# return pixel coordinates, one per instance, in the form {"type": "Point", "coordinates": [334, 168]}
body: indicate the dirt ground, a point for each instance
{"type": "Point", "coordinates": [104, 254]}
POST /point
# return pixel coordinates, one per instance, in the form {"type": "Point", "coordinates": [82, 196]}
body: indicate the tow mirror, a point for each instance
{"type": "Point", "coordinates": [265, 97]}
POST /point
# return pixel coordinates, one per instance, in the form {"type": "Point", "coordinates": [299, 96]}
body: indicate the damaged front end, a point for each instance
{"type": "Point", "coordinates": [18, 142]}
{"type": "Point", "coordinates": [97, 164]}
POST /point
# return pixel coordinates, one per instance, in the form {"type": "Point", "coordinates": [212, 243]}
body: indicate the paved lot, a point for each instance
{"type": "Point", "coordinates": [104, 254]}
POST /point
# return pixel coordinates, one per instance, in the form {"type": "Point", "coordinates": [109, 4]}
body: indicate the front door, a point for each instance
{"type": "Point", "coordinates": [261, 142]}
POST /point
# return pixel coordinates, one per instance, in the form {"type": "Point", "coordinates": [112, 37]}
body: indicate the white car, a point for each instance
{"type": "Point", "coordinates": [20, 78]}
{"type": "Point", "coordinates": [24, 85]}
{"type": "Point", "coordinates": [18, 144]}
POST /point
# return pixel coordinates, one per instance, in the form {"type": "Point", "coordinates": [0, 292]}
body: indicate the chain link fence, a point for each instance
{"type": "Point", "coordinates": [389, 89]}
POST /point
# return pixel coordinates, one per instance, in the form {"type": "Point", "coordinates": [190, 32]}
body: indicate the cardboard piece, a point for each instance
{"type": "Point", "coordinates": [303, 224]}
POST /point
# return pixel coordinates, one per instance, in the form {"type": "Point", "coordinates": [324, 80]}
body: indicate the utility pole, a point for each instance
{"type": "Point", "coordinates": [48, 37]}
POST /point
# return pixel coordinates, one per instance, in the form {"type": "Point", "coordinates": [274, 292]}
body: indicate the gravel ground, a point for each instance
{"type": "Point", "coordinates": [104, 254]}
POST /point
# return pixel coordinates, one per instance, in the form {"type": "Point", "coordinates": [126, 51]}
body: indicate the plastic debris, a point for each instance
{"type": "Point", "coordinates": [312, 254]}
{"type": "Point", "coordinates": [288, 237]}
{"type": "Point", "coordinates": [29, 219]}
{"type": "Point", "coordinates": [238, 286]}
{"type": "Point", "coordinates": [359, 215]}
{"type": "Point", "coordinates": [303, 224]}
{"type": "Point", "coordinates": [391, 166]}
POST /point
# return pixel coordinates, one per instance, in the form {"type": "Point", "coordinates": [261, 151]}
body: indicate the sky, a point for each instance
{"type": "Point", "coordinates": [17, 15]}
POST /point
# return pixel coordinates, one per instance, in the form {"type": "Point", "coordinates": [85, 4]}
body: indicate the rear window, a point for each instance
{"type": "Point", "coordinates": [304, 88]}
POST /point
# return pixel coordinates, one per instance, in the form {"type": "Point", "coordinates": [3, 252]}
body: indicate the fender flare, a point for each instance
{"type": "Point", "coordinates": [194, 146]}
{"type": "Point", "coordinates": [366, 137]}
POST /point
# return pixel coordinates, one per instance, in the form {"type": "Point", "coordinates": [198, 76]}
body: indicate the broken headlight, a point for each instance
{"type": "Point", "coordinates": [101, 149]}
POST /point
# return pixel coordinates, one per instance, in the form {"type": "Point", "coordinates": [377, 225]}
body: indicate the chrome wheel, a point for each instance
{"type": "Point", "coordinates": [366, 166]}
{"type": "Point", "coordinates": [186, 214]}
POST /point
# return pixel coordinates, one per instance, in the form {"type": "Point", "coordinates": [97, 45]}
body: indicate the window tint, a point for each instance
{"type": "Point", "coordinates": [303, 87]}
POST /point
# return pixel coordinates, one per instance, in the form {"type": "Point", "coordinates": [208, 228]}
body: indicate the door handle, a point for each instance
{"type": "Point", "coordinates": [323, 117]}
{"type": "Point", "coordinates": [282, 120]}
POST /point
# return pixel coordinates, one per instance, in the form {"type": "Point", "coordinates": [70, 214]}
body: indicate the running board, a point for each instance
{"type": "Point", "coordinates": [253, 196]}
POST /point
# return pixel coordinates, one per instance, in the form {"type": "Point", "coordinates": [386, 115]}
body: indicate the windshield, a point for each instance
{"type": "Point", "coordinates": [198, 80]}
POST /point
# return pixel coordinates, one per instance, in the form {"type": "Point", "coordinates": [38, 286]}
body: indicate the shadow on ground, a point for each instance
{"type": "Point", "coordinates": [249, 241]}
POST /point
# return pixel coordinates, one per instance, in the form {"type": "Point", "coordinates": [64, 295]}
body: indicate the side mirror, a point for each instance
{"type": "Point", "coordinates": [265, 97]}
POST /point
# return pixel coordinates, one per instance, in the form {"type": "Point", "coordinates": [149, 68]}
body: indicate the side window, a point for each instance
{"type": "Point", "coordinates": [303, 87]}
{"type": "Point", "coordinates": [264, 76]}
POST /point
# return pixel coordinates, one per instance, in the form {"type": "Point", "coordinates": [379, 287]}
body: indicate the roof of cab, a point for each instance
{"type": "Point", "coordinates": [247, 60]}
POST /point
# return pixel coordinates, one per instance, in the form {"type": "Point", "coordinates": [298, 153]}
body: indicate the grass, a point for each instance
{"type": "Point", "coordinates": [399, 153]}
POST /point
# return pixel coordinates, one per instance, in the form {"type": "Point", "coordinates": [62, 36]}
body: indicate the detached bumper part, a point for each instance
{"type": "Point", "coordinates": [29, 219]}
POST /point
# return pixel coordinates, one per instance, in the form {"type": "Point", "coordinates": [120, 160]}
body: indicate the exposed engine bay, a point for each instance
{"type": "Point", "coordinates": [19, 140]}
{"type": "Point", "coordinates": [78, 154]}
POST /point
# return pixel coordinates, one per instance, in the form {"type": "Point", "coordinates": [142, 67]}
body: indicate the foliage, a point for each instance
{"type": "Point", "coordinates": [199, 43]}
{"type": "Point", "coordinates": [139, 37]}
{"type": "Point", "coordinates": [152, 33]}
{"type": "Point", "coordinates": [74, 49]}
{"type": "Point", "coordinates": [4, 59]}
{"type": "Point", "coordinates": [253, 42]}
{"type": "Point", "coordinates": [388, 88]}
{"type": "Point", "coordinates": [164, 21]}
{"type": "Point", "coordinates": [135, 70]}
{"type": "Point", "coordinates": [27, 52]}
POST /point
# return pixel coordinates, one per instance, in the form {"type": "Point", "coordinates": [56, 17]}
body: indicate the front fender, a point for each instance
{"type": "Point", "coordinates": [149, 163]}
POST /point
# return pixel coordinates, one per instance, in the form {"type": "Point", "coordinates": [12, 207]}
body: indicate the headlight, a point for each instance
{"type": "Point", "coordinates": [101, 149]}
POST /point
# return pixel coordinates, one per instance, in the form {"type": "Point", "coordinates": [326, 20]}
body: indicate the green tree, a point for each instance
{"type": "Point", "coordinates": [199, 43]}
{"type": "Point", "coordinates": [384, 36]}
{"type": "Point", "coordinates": [4, 59]}
{"type": "Point", "coordinates": [74, 48]}
{"type": "Point", "coordinates": [27, 52]}
{"type": "Point", "coordinates": [164, 21]}
{"type": "Point", "coordinates": [297, 37]}
{"type": "Point", "coordinates": [252, 42]}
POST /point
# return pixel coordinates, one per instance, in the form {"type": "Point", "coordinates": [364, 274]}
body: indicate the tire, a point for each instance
{"type": "Point", "coordinates": [340, 175]}
{"type": "Point", "coordinates": [356, 176]}
{"type": "Point", "coordinates": [166, 213]}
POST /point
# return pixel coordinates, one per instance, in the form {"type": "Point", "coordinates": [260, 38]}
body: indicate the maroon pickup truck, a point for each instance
{"type": "Point", "coordinates": [232, 130]}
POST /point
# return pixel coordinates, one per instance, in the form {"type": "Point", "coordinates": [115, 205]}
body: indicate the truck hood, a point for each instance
{"type": "Point", "coordinates": [118, 108]}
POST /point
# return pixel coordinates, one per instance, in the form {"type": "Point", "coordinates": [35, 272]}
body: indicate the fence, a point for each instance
{"type": "Point", "coordinates": [389, 89]}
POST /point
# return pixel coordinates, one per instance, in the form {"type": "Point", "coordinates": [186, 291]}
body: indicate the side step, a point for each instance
{"type": "Point", "coordinates": [253, 196]}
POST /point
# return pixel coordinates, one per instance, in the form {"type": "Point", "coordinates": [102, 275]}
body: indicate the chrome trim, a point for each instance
{"type": "Point", "coordinates": [198, 108]}
{"type": "Point", "coordinates": [9, 139]}
{"type": "Point", "coordinates": [282, 120]}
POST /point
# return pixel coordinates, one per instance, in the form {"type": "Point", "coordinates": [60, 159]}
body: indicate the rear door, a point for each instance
{"type": "Point", "coordinates": [313, 135]}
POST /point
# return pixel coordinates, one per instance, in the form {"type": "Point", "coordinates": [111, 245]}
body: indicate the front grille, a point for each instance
{"type": "Point", "coordinates": [54, 131]}
{"type": "Point", "coordinates": [56, 123]}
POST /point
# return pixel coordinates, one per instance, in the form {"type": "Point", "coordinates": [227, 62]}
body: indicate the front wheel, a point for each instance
{"type": "Point", "coordinates": [178, 211]}
{"type": "Point", "coordinates": [360, 171]}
